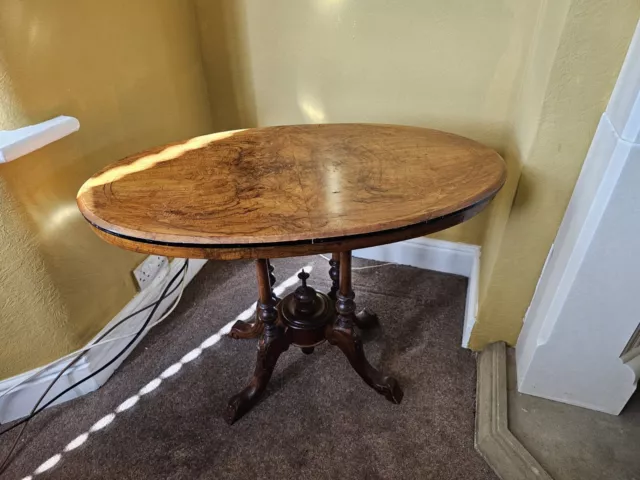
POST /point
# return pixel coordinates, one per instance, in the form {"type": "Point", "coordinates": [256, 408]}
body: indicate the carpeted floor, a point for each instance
{"type": "Point", "coordinates": [318, 419]}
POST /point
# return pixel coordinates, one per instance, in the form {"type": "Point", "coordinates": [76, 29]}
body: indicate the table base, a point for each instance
{"type": "Point", "coordinates": [242, 330]}
{"type": "Point", "coordinates": [305, 319]}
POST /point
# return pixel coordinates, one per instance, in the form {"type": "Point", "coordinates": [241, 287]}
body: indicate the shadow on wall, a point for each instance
{"type": "Point", "coordinates": [131, 72]}
{"type": "Point", "coordinates": [227, 68]}
{"type": "Point", "coordinates": [426, 64]}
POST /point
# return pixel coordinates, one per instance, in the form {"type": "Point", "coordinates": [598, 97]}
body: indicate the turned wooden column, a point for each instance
{"type": "Point", "coordinates": [267, 312]}
{"type": "Point", "coordinates": [345, 304]}
{"type": "Point", "coordinates": [272, 281]}
{"type": "Point", "coordinates": [334, 274]}
{"type": "Point", "coordinates": [363, 319]}
{"type": "Point", "coordinates": [242, 329]}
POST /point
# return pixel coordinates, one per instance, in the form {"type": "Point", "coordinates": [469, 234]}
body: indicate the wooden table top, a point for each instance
{"type": "Point", "coordinates": [289, 184]}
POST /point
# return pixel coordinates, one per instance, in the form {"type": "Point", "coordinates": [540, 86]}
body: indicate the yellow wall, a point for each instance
{"type": "Point", "coordinates": [577, 52]}
{"type": "Point", "coordinates": [451, 65]}
{"type": "Point", "coordinates": [131, 72]}
{"type": "Point", "coordinates": [527, 77]}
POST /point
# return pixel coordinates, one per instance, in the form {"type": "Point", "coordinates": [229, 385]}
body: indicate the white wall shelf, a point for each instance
{"type": "Point", "coordinates": [22, 141]}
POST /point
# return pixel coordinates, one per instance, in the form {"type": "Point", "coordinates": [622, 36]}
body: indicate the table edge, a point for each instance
{"type": "Point", "coordinates": [290, 248]}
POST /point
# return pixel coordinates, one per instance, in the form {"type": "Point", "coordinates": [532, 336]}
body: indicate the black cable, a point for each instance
{"type": "Point", "coordinates": [138, 333]}
{"type": "Point", "coordinates": [36, 410]}
{"type": "Point", "coordinates": [120, 322]}
{"type": "Point", "coordinates": [128, 317]}
{"type": "Point", "coordinates": [5, 462]}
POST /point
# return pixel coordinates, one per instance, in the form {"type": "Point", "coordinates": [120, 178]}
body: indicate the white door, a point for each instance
{"type": "Point", "coordinates": [580, 343]}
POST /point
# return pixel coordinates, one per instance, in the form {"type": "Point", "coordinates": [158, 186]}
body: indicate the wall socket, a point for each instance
{"type": "Point", "coordinates": [148, 270]}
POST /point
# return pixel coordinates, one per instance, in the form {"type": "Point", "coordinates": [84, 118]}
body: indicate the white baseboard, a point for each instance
{"type": "Point", "coordinates": [19, 402]}
{"type": "Point", "coordinates": [440, 256]}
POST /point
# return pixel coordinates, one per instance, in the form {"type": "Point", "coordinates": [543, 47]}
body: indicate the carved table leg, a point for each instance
{"type": "Point", "coordinates": [343, 335]}
{"type": "Point", "coordinates": [271, 345]}
{"type": "Point", "coordinates": [365, 318]}
{"type": "Point", "coordinates": [243, 330]}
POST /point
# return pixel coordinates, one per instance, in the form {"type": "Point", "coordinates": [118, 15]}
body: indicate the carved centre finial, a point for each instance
{"type": "Point", "coordinates": [303, 276]}
{"type": "Point", "coordinates": [304, 296]}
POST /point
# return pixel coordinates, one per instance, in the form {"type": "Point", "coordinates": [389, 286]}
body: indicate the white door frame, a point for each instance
{"type": "Point", "coordinates": [580, 342]}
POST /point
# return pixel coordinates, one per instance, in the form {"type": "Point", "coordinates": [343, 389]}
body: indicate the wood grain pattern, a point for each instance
{"type": "Point", "coordinates": [294, 249]}
{"type": "Point", "coordinates": [287, 184]}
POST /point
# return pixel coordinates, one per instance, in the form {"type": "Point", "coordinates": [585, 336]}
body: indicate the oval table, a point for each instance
{"type": "Point", "coordinates": [293, 190]}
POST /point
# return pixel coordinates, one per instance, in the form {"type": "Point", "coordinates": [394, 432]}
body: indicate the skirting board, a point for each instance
{"type": "Point", "coordinates": [493, 440]}
{"type": "Point", "coordinates": [440, 256]}
{"type": "Point", "coordinates": [19, 402]}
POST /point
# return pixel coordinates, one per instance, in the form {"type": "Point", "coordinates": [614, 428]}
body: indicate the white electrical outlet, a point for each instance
{"type": "Point", "coordinates": [149, 269]}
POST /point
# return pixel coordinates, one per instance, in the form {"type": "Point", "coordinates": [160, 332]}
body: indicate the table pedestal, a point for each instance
{"type": "Point", "coordinates": [305, 319]}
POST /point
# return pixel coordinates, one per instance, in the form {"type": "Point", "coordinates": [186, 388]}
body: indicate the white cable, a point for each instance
{"type": "Point", "coordinates": [90, 345]}
{"type": "Point", "coordinates": [169, 312]}
{"type": "Point", "coordinates": [373, 266]}
{"type": "Point", "coordinates": [149, 327]}
{"type": "Point", "coordinates": [362, 268]}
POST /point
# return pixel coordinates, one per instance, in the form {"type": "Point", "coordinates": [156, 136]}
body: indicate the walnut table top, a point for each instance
{"type": "Point", "coordinates": [290, 190]}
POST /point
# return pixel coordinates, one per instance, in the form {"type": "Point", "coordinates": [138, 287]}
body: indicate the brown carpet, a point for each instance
{"type": "Point", "coordinates": [318, 419]}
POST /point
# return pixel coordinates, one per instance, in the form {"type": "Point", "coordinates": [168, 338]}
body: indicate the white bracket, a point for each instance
{"type": "Point", "coordinates": [21, 141]}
